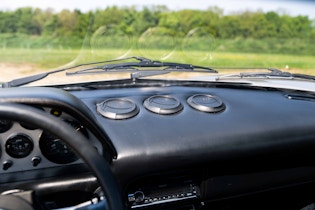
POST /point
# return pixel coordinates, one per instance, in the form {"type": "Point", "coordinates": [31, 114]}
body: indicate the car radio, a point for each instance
{"type": "Point", "coordinates": [164, 194]}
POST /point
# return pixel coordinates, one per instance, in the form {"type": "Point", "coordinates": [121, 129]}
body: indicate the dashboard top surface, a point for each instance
{"type": "Point", "coordinates": [253, 123]}
{"type": "Point", "coordinates": [182, 126]}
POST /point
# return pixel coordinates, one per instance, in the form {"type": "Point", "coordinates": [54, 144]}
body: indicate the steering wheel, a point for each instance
{"type": "Point", "coordinates": [79, 144]}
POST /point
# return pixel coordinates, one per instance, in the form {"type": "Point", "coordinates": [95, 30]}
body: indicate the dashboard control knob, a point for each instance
{"type": "Point", "coordinates": [139, 196]}
{"type": "Point", "coordinates": [7, 164]}
{"type": "Point", "coordinates": [36, 160]}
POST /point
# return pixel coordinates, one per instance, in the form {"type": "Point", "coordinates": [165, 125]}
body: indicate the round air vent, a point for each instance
{"type": "Point", "coordinates": [162, 104]}
{"type": "Point", "coordinates": [117, 108]}
{"type": "Point", "coordinates": [206, 103]}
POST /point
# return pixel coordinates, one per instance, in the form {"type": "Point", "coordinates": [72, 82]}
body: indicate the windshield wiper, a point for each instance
{"type": "Point", "coordinates": [36, 77]}
{"type": "Point", "coordinates": [133, 67]}
{"type": "Point", "coordinates": [272, 73]}
{"type": "Point", "coordinates": [146, 65]}
{"type": "Point", "coordinates": [304, 76]}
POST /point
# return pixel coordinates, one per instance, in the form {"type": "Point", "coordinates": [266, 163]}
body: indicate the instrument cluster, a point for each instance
{"type": "Point", "coordinates": [24, 147]}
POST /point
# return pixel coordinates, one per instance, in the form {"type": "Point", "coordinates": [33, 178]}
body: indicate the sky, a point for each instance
{"type": "Point", "coordinates": [291, 7]}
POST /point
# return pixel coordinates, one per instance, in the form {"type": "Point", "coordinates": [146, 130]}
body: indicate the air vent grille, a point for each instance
{"type": "Point", "coordinates": [163, 104]}
{"type": "Point", "coordinates": [206, 103]}
{"type": "Point", "coordinates": [117, 108]}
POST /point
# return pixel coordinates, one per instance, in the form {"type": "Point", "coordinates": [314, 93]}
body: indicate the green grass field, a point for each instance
{"type": "Point", "coordinates": [52, 58]}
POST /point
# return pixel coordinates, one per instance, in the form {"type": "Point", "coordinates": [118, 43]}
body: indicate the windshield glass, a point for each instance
{"type": "Point", "coordinates": [230, 36]}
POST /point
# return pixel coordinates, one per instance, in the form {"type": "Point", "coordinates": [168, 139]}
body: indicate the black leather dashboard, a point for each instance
{"type": "Point", "coordinates": [254, 124]}
{"type": "Point", "coordinates": [231, 134]}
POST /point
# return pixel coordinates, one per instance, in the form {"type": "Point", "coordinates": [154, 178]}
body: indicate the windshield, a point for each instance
{"type": "Point", "coordinates": [228, 36]}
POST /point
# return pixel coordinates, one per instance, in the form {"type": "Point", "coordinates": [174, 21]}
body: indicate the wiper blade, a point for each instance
{"type": "Point", "coordinates": [143, 63]}
{"type": "Point", "coordinates": [273, 73]}
{"type": "Point", "coordinates": [116, 67]}
{"type": "Point", "coordinates": [36, 77]}
{"type": "Point", "coordinates": [304, 76]}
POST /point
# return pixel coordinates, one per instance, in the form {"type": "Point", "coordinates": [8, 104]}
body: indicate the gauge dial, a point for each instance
{"type": "Point", "coordinates": [55, 150]}
{"type": "Point", "coordinates": [19, 146]}
{"type": "Point", "coordinates": [5, 125]}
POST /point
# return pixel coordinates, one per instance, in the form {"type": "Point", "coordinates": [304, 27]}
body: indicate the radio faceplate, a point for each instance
{"type": "Point", "coordinates": [164, 194]}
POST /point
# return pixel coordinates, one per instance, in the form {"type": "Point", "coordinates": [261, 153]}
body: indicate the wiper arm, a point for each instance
{"type": "Point", "coordinates": [118, 67]}
{"type": "Point", "coordinates": [278, 73]}
{"type": "Point", "coordinates": [36, 77]}
{"type": "Point", "coordinates": [273, 73]}
{"type": "Point", "coordinates": [144, 63]}
{"type": "Point", "coordinates": [27, 80]}
{"type": "Point", "coordinates": [304, 76]}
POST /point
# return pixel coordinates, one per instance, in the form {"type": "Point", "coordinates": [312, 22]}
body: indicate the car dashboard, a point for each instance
{"type": "Point", "coordinates": [170, 146]}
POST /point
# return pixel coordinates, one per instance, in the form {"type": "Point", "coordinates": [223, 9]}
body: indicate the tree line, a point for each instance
{"type": "Point", "coordinates": [134, 22]}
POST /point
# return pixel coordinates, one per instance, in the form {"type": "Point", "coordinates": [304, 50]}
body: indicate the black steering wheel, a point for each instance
{"type": "Point", "coordinates": [79, 144]}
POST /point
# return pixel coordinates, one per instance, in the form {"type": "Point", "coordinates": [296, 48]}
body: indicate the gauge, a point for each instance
{"type": "Point", "coordinates": [19, 146]}
{"type": "Point", "coordinates": [55, 150]}
{"type": "Point", "coordinates": [5, 125]}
